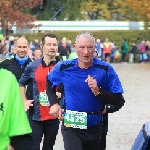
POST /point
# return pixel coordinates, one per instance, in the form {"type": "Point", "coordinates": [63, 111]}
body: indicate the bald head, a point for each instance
{"type": "Point", "coordinates": [22, 47]}
{"type": "Point", "coordinates": [22, 40]}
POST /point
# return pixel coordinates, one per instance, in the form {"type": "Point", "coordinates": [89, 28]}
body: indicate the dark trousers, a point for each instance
{"type": "Point", "coordinates": [81, 139]}
{"type": "Point", "coordinates": [103, 141]}
{"type": "Point", "coordinates": [123, 57]}
{"type": "Point", "coordinates": [48, 129]}
{"type": "Point", "coordinates": [148, 146]}
{"type": "Point", "coordinates": [21, 142]}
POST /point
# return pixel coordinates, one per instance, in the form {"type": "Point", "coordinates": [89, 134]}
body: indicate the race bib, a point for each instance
{"type": "Point", "coordinates": [75, 119]}
{"type": "Point", "coordinates": [43, 99]}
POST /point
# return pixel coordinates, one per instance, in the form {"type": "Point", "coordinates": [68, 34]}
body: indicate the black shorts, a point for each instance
{"type": "Point", "coordinates": [81, 139]}
{"type": "Point", "coordinates": [107, 55]}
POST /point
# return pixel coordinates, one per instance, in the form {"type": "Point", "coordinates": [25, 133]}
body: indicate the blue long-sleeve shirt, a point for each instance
{"type": "Point", "coordinates": [78, 95]}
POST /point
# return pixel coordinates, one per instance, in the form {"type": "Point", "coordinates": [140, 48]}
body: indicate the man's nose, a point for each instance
{"type": "Point", "coordinates": [85, 50]}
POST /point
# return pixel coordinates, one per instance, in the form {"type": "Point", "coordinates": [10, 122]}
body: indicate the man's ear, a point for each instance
{"type": "Point", "coordinates": [75, 47]}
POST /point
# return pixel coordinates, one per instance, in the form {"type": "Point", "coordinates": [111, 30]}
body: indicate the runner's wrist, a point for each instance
{"type": "Point", "coordinates": [98, 92]}
{"type": "Point", "coordinates": [55, 104]}
{"type": "Point", "coordinates": [25, 100]}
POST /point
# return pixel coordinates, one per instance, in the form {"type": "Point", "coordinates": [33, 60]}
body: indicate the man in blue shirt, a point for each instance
{"type": "Point", "coordinates": [89, 84]}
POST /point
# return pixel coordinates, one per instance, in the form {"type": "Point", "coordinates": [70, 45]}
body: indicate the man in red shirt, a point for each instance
{"type": "Point", "coordinates": [42, 123]}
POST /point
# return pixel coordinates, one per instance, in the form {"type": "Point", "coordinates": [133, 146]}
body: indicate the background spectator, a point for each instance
{"type": "Point", "coordinates": [64, 49]}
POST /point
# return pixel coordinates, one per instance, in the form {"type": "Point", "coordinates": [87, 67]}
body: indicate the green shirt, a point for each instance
{"type": "Point", "coordinates": [13, 118]}
{"type": "Point", "coordinates": [125, 47]}
{"type": "Point", "coordinates": [73, 56]}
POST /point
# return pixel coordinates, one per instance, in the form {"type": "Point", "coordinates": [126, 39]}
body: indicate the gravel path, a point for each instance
{"type": "Point", "coordinates": [125, 124]}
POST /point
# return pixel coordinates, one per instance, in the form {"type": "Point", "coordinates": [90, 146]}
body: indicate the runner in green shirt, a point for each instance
{"type": "Point", "coordinates": [14, 125]}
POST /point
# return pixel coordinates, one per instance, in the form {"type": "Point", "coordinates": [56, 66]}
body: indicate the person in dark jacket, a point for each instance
{"type": "Point", "coordinates": [64, 49]}
{"type": "Point", "coordinates": [36, 44]}
{"type": "Point", "coordinates": [108, 109]}
{"type": "Point", "coordinates": [134, 51]}
{"type": "Point", "coordinates": [20, 60]}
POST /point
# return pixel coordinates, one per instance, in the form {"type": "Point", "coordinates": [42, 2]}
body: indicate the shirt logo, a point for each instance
{"type": "Point", "coordinates": [2, 107]}
{"type": "Point", "coordinates": [43, 99]}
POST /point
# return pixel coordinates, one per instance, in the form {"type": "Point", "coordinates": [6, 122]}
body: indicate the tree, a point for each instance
{"type": "Point", "coordinates": [107, 10]}
{"type": "Point", "coordinates": [85, 10]}
{"type": "Point", "coordinates": [69, 10]}
{"type": "Point", "coordinates": [14, 12]}
{"type": "Point", "coordinates": [142, 8]}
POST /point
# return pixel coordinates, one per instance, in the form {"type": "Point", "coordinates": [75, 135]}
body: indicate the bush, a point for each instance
{"type": "Point", "coordinates": [117, 36]}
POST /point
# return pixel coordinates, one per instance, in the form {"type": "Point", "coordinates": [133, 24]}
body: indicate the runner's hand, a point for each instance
{"type": "Point", "coordinates": [58, 94]}
{"type": "Point", "coordinates": [92, 83]}
{"type": "Point", "coordinates": [27, 104]}
{"type": "Point", "coordinates": [104, 111]}
{"type": "Point", "coordinates": [61, 115]}
{"type": "Point", "coordinates": [54, 110]}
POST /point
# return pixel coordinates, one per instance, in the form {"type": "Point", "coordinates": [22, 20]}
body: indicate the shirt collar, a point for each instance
{"type": "Point", "coordinates": [51, 63]}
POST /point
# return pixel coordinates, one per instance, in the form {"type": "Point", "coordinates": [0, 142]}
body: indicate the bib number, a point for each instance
{"type": "Point", "coordinates": [43, 99]}
{"type": "Point", "coordinates": [75, 119]}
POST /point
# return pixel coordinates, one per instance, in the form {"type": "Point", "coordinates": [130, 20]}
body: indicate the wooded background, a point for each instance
{"type": "Point", "coordinates": [25, 12]}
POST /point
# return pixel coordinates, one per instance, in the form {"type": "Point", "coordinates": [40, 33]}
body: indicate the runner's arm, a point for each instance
{"type": "Point", "coordinates": [51, 92]}
{"type": "Point", "coordinates": [52, 81]}
{"type": "Point", "coordinates": [110, 98]}
{"type": "Point", "coordinates": [113, 94]}
{"type": "Point", "coordinates": [25, 77]}
{"type": "Point", "coordinates": [111, 108]}
{"type": "Point", "coordinates": [22, 89]}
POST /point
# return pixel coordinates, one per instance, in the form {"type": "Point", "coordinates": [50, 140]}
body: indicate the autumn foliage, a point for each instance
{"type": "Point", "coordinates": [13, 11]}
{"type": "Point", "coordinates": [141, 7]}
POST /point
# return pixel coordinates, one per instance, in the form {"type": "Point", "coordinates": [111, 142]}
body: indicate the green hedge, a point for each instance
{"type": "Point", "coordinates": [117, 36]}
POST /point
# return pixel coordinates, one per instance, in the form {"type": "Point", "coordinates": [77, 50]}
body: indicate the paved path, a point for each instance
{"type": "Point", "coordinates": [125, 124]}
